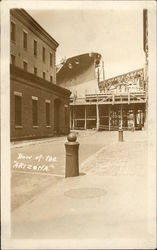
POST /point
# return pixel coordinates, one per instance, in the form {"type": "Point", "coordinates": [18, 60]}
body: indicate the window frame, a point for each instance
{"type": "Point", "coordinates": [35, 71]}
{"type": "Point", "coordinates": [51, 78]}
{"type": "Point", "coordinates": [13, 40]}
{"type": "Point", "coordinates": [26, 63]}
{"type": "Point", "coordinates": [48, 121]}
{"type": "Point", "coordinates": [18, 124]}
{"type": "Point", "coordinates": [13, 56]}
{"type": "Point", "coordinates": [51, 59]}
{"type": "Point", "coordinates": [35, 47]}
{"type": "Point", "coordinates": [25, 42]}
{"type": "Point", "coordinates": [35, 124]}
{"type": "Point", "coordinates": [43, 54]}
{"type": "Point", "coordinates": [44, 75]}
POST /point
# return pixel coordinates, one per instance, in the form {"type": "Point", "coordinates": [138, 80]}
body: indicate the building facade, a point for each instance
{"type": "Point", "coordinates": [39, 108]}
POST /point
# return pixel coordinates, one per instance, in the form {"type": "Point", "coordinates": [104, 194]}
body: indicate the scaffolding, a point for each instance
{"type": "Point", "coordinates": [114, 107]}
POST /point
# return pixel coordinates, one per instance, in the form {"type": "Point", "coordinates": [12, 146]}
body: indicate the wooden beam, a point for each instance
{"type": "Point", "coordinates": [97, 117]}
{"type": "Point", "coordinates": [73, 121]}
{"type": "Point", "coordinates": [70, 116]}
{"type": "Point", "coordinates": [121, 116]}
{"type": "Point", "coordinates": [128, 97]}
{"type": "Point", "coordinates": [109, 118]}
{"type": "Point", "coordinates": [113, 99]}
{"type": "Point", "coordinates": [85, 122]}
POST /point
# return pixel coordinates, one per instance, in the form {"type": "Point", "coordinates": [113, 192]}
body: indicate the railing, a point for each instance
{"type": "Point", "coordinates": [116, 128]}
{"type": "Point", "coordinates": [131, 97]}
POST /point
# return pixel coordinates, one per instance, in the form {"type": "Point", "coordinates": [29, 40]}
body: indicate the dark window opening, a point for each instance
{"type": "Point", "coordinates": [47, 114]}
{"type": "Point", "coordinates": [13, 60]}
{"type": "Point", "coordinates": [50, 59]}
{"type": "Point", "coordinates": [24, 40]}
{"type": "Point", "coordinates": [44, 75]}
{"type": "Point", "coordinates": [51, 78]}
{"type": "Point", "coordinates": [25, 66]}
{"type": "Point", "coordinates": [13, 31]}
{"type": "Point", "coordinates": [43, 54]}
{"type": "Point", "coordinates": [35, 71]}
{"type": "Point", "coordinates": [35, 48]}
{"type": "Point", "coordinates": [35, 112]}
{"type": "Point", "coordinates": [18, 110]}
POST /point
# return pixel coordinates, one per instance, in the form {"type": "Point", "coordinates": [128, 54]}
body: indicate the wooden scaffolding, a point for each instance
{"type": "Point", "coordinates": [108, 111]}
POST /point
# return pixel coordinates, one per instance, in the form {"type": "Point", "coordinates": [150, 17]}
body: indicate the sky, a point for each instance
{"type": "Point", "coordinates": [116, 34]}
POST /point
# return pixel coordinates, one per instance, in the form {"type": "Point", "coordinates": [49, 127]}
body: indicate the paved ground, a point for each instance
{"type": "Point", "coordinates": [109, 201]}
{"type": "Point", "coordinates": [28, 180]}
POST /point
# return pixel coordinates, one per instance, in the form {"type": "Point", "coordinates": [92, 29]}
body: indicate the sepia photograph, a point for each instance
{"type": "Point", "coordinates": [78, 124]}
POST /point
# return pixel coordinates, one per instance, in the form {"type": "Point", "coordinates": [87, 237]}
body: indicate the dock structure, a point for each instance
{"type": "Point", "coordinates": [120, 104]}
{"type": "Point", "coordinates": [108, 111]}
{"type": "Point", "coordinates": [99, 103]}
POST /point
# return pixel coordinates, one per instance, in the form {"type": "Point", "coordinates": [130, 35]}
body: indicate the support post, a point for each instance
{"type": "Point", "coordinates": [140, 119]}
{"type": "Point", "coordinates": [133, 127]}
{"type": "Point", "coordinates": [145, 47]}
{"type": "Point", "coordinates": [85, 122]}
{"type": "Point", "coordinates": [113, 99]}
{"type": "Point", "coordinates": [73, 125]}
{"type": "Point", "coordinates": [128, 97]}
{"type": "Point", "coordinates": [135, 117]}
{"type": "Point", "coordinates": [120, 133]}
{"type": "Point", "coordinates": [97, 117]}
{"type": "Point", "coordinates": [121, 116]}
{"type": "Point", "coordinates": [70, 116]}
{"type": "Point", "coordinates": [72, 158]}
{"type": "Point", "coordinates": [103, 71]}
{"type": "Point", "coordinates": [127, 117]}
{"type": "Point", "coordinates": [109, 118]}
{"type": "Point", "coordinates": [98, 75]}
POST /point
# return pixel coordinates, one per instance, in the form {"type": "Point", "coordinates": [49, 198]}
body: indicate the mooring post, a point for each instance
{"type": "Point", "coordinates": [72, 156]}
{"type": "Point", "coordinates": [120, 134]}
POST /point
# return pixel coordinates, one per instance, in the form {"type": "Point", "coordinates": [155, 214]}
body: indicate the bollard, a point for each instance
{"type": "Point", "coordinates": [72, 160]}
{"type": "Point", "coordinates": [121, 134]}
{"type": "Point", "coordinates": [132, 129]}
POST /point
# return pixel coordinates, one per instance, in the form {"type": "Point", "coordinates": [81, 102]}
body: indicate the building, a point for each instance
{"type": "Point", "coordinates": [39, 107]}
{"type": "Point", "coordinates": [102, 104]}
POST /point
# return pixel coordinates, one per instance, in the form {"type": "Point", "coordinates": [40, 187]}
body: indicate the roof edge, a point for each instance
{"type": "Point", "coordinates": [18, 72]}
{"type": "Point", "coordinates": [24, 14]}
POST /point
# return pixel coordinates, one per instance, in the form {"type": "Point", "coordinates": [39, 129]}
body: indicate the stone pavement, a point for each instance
{"type": "Point", "coordinates": [27, 181]}
{"type": "Point", "coordinates": [112, 162]}
{"type": "Point", "coordinates": [107, 201]}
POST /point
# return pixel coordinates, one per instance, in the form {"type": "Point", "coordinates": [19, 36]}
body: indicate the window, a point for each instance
{"type": "Point", "coordinates": [18, 109]}
{"type": "Point", "coordinates": [43, 54]}
{"type": "Point", "coordinates": [35, 47]}
{"type": "Point", "coordinates": [44, 75]}
{"type": "Point", "coordinates": [13, 30]}
{"type": "Point", "coordinates": [25, 65]}
{"type": "Point", "coordinates": [24, 40]}
{"type": "Point", "coordinates": [35, 71]}
{"type": "Point", "coordinates": [13, 60]}
{"type": "Point", "coordinates": [51, 78]}
{"type": "Point", "coordinates": [50, 59]}
{"type": "Point", "coordinates": [47, 103]}
{"type": "Point", "coordinates": [35, 111]}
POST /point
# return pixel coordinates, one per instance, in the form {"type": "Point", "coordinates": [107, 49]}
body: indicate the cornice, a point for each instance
{"type": "Point", "coordinates": [17, 73]}
{"type": "Point", "coordinates": [32, 25]}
